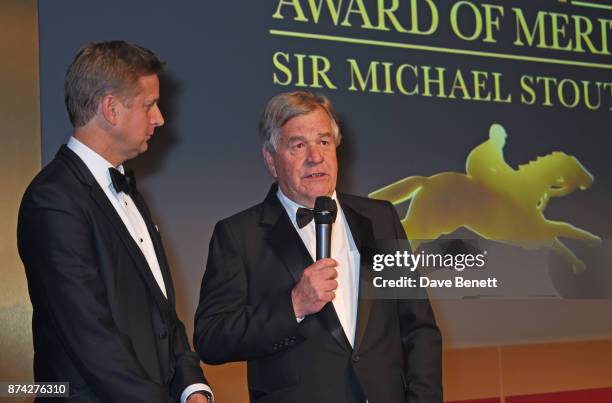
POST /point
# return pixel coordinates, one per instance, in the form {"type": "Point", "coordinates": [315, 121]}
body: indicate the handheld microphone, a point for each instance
{"type": "Point", "coordinates": [324, 212]}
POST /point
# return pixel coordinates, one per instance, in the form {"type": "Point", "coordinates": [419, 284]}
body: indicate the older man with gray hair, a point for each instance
{"type": "Point", "coordinates": [300, 323]}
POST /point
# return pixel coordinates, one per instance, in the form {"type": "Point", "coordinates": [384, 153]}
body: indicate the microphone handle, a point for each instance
{"type": "Point", "coordinates": [323, 232]}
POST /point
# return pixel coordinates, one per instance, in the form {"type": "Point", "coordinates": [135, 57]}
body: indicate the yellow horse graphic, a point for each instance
{"type": "Point", "coordinates": [494, 200]}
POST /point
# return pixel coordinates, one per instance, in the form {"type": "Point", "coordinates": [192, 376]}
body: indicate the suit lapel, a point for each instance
{"type": "Point", "coordinates": [157, 245]}
{"type": "Point", "coordinates": [133, 250]}
{"type": "Point", "coordinates": [286, 242]}
{"type": "Point", "coordinates": [289, 246]}
{"type": "Point", "coordinates": [363, 235]}
{"type": "Point", "coordinates": [109, 212]}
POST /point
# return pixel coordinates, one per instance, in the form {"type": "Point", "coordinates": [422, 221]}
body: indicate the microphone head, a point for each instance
{"type": "Point", "coordinates": [325, 210]}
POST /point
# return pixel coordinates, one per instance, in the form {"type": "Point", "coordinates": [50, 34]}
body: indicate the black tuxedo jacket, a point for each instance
{"type": "Point", "coordinates": [100, 320]}
{"type": "Point", "coordinates": [245, 313]}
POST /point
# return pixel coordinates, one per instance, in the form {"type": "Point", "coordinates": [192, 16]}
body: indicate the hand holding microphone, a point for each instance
{"type": "Point", "coordinates": [318, 282]}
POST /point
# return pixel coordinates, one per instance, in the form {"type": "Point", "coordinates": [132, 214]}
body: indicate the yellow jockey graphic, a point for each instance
{"type": "Point", "coordinates": [494, 200]}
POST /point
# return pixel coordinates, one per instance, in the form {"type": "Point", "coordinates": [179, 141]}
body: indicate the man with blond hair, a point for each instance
{"type": "Point", "coordinates": [104, 305]}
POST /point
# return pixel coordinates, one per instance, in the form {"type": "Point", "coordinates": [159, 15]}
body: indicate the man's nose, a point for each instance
{"type": "Point", "coordinates": [315, 156]}
{"type": "Point", "coordinates": [157, 118]}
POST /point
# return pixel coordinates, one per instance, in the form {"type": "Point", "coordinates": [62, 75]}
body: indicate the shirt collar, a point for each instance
{"type": "Point", "coordinates": [292, 207]}
{"type": "Point", "coordinates": [96, 164]}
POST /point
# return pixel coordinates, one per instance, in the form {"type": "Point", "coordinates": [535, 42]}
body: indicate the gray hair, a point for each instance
{"type": "Point", "coordinates": [283, 107]}
{"type": "Point", "coordinates": [105, 68]}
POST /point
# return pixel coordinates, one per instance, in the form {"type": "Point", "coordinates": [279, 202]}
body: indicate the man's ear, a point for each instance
{"type": "Point", "coordinates": [108, 109]}
{"type": "Point", "coordinates": [269, 159]}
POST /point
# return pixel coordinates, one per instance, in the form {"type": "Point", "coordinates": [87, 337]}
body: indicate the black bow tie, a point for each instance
{"type": "Point", "coordinates": [123, 183]}
{"type": "Point", "coordinates": [303, 216]}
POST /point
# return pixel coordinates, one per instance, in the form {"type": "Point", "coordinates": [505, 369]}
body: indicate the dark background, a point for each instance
{"type": "Point", "coordinates": [205, 163]}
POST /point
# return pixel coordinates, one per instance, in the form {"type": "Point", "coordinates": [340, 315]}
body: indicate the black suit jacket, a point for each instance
{"type": "Point", "coordinates": [245, 313]}
{"type": "Point", "coordinates": [100, 320]}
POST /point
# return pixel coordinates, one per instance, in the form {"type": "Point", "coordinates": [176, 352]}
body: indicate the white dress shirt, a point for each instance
{"type": "Point", "coordinates": [344, 251]}
{"type": "Point", "coordinates": [123, 204]}
{"type": "Point", "coordinates": [132, 219]}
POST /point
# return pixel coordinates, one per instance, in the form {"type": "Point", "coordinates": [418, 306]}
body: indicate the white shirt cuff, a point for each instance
{"type": "Point", "coordinates": [196, 387]}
